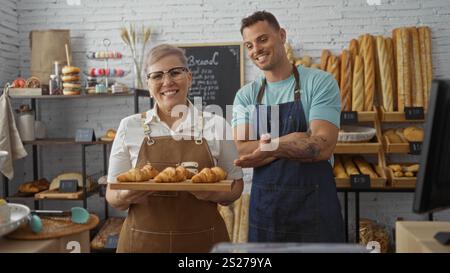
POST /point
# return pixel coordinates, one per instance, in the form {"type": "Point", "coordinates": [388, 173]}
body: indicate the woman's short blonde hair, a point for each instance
{"type": "Point", "coordinates": [163, 50]}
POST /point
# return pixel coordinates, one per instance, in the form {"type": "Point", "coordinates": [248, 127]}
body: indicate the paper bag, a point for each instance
{"type": "Point", "coordinates": [48, 46]}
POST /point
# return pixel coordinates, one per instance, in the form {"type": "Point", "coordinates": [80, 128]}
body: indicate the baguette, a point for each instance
{"type": "Point", "coordinates": [384, 68]}
{"type": "Point", "coordinates": [349, 166]}
{"type": "Point", "coordinates": [358, 85]}
{"type": "Point", "coordinates": [426, 62]}
{"type": "Point", "coordinates": [369, 72]}
{"type": "Point", "coordinates": [416, 74]}
{"type": "Point", "coordinates": [391, 59]}
{"type": "Point", "coordinates": [402, 44]}
{"type": "Point", "coordinates": [338, 169]}
{"type": "Point", "coordinates": [324, 59]}
{"type": "Point", "coordinates": [354, 51]}
{"type": "Point", "coordinates": [346, 81]}
{"type": "Point", "coordinates": [364, 167]}
{"type": "Point", "coordinates": [333, 67]}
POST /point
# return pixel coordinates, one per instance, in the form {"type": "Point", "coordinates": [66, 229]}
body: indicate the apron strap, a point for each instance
{"type": "Point", "coordinates": [198, 136]}
{"type": "Point", "coordinates": [147, 130]}
{"type": "Point", "coordinates": [296, 90]}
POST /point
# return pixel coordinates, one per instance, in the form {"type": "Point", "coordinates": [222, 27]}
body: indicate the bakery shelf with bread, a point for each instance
{"type": "Point", "coordinates": [397, 140]}
{"type": "Point", "coordinates": [362, 139]}
{"type": "Point", "coordinates": [54, 193]}
{"type": "Point", "coordinates": [402, 175]}
{"type": "Point", "coordinates": [347, 165]}
{"type": "Point", "coordinates": [111, 228]}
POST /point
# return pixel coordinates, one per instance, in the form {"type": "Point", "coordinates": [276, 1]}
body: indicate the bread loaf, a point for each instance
{"type": "Point", "coordinates": [391, 59]}
{"type": "Point", "coordinates": [369, 72]}
{"type": "Point", "coordinates": [34, 186]}
{"type": "Point", "coordinates": [426, 62]}
{"type": "Point", "coordinates": [364, 167]}
{"type": "Point", "coordinates": [349, 166]}
{"type": "Point", "coordinates": [402, 44]}
{"type": "Point", "coordinates": [413, 134]}
{"type": "Point", "coordinates": [324, 59]}
{"type": "Point", "coordinates": [358, 85]}
{"type": "Point", "coordinates": [384, 68]}
{"type": "Point", "coordinates": [416, 74]}
{"type": "Point", "coordinates": [334, 67]}
{"type": "Point", "coordinates": [346, 81]}
{"type": "Point", "coordinates": [307, 60]}
{"type": "Point", "coordinates": [338, 169]}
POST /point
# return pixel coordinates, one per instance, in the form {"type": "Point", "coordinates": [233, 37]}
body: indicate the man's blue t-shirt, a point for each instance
{"type": "Point", "coordinates": [319, 96]}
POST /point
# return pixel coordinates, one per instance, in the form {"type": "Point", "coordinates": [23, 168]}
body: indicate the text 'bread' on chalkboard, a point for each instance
{"type": "Point", "coordinates": [217, 72]}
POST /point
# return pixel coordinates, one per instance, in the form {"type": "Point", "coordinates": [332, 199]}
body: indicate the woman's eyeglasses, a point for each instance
{"type": "Point", "coordinates": [176, 74]}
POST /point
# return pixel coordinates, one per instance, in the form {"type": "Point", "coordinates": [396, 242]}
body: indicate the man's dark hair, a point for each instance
{"type": "Point", "coordinates": [260, 16]}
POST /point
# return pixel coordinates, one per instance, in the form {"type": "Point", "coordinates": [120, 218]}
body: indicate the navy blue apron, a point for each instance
{"type": "Point", "coordinates": [292, 201]}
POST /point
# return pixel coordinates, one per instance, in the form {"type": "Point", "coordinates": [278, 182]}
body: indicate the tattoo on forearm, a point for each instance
{"type": "Point", "coordinates": [307, 149]}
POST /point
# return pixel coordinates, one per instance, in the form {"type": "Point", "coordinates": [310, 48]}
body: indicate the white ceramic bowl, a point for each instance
{"type": "Point", "coordinates": [19, 215]}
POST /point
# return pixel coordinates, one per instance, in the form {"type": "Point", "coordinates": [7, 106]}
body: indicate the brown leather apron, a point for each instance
{"type": "Point", "coordinates": [172, 221]}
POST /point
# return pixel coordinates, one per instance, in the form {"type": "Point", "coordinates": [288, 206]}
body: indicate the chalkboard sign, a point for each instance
{"type": "Point", "coordinates": [349, 117]}
{"type": "Point", "coordinates": [85, 135]}
{"type": "Point", "coordinates": [415, 148]}
{"type": "Point", "coordinates": [68, 186]}
{"type": "Point", "coordinates": [414, 113]}
{"type": "Point", "coordinates": [217, 72]}
{"type": "Point", "coordinates": [360, 181]}
{"type": "Point", "coordinates": [111, 241]}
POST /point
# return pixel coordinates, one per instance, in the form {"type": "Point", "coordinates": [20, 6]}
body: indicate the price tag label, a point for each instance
{"type": "Point", "coordinates": [111, 241]}
{"type": "Point", "coordinates": [360, 181]}
{"type": "Point", "coordinates": [85, 135]}
{"type": "Point", "coordinates": [349, 117]}
{"type": "Point", "coordinates": [414, 113]}
{"type": "Point", "coordinates": [68, 186]}
{"type": "Point", "coordinates": [415, 148]}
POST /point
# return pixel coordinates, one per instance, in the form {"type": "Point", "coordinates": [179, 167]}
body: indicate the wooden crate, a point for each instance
{"type": "Point", "coordinates": [374, 183]}
{"type": "Point", "coordinates": [395, 148]}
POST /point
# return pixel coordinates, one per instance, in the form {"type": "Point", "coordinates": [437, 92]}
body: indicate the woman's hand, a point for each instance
{"type": "Point", "coordinates": [122, 199]}
{"type": "Point", "coordinates": [221, 197]}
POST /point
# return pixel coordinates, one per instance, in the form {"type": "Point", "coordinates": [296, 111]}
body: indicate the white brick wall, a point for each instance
{"type": "Point", "coordinates": [312, 25]}
{"type": "Point", "coordinates": [9, 41]}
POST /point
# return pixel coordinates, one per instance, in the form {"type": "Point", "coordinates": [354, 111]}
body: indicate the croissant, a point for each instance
{"type": "Point", "coordinates": [150, 170]}
{"type": "Point", "coordinates": [138, 175]}
{"type": "Point", "coordinates": [170, 174]}
{"type": "Point", "coordinates": [133, 175]}
{"type": "Point", "coordinates": [208, 175]}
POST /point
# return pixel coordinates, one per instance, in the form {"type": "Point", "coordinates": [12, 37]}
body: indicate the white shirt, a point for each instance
{"type": "Point", "coordinates": [130, 134]}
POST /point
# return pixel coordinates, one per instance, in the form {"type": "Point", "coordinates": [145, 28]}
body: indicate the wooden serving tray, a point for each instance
{"type": "Point", "coordinates": [187, 185]}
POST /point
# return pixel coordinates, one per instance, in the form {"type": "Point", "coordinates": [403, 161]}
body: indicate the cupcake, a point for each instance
{"type": "Point", "coordinates": [5, 212]}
